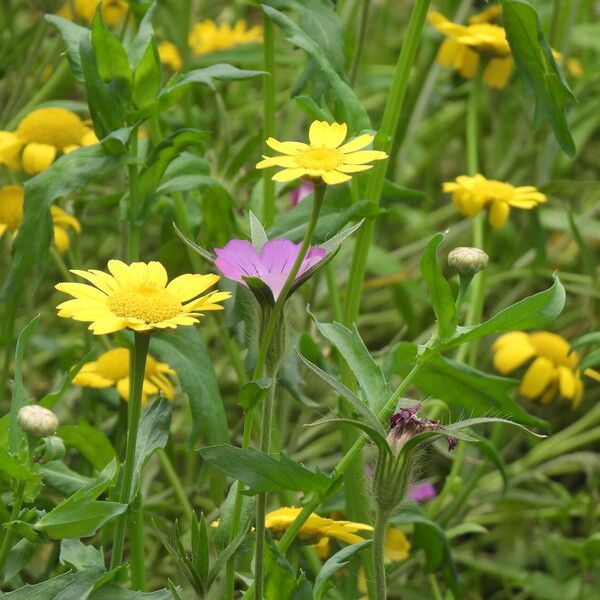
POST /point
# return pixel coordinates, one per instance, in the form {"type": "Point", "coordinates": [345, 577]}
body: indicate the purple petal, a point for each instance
{"type": "Point", "coordinates": [404, 415]}
{"type": "Point", "coordinates": [237, 258]}
{"type": "Point", "coordinates": [302, 191]}
{"type": "Point", "coordinates": [313, 256]}
{"type": "Point", "coordinates": [278, 256]}
{"type": "Point", "coordinates": [422, 491]}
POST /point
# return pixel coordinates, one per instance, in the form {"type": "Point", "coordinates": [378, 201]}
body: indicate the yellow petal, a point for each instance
{"type": "Point", "coordinates": [286, 147]}
{"type": "Point", "coordinates": [566, 382]}
{"type": "Point", "coordinates": [335, 177]}
{"type": "Point", "coordinates": [61, 239]}
{"type": "Point", "coordinates": [37, 157]}
{"type": "Point", "coordinates": [289, 174]}
{"type": "Point", "coordinates": [357, 143]}
{"type": "Point", "coordinates": [353, 168]}
{"type": "Point", "coordinates": [499, 212]}
{"type": "Point", "coordinates": [537, 377]}
{"type": "Point", "coordinates": [81, 290]}
{"type": "Point", "coordinates": [363, 156]}
{"type": "Point", "coordinates": [336, 134]}
{"type": "Point", "coordinates": [592, 373]}
{"type": "Point", "coordinates": [318, 134]}
{"type": "Point", "coordinates": [510, 357]}
{"type": "Point", "coordinates": [397, 546]}
{"type": "Point", "coordinates": [513, 337]}
{"type": "Point", "coordinates": [497, 72]}
{"type": "Point", "coordinates": [189, 286]}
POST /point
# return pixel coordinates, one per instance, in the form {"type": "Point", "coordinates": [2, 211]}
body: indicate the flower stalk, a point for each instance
{"type": "Point", "coordinates": [136, 381]}
{"type": "Point", "coordinates": [268, 115]}
{"type": "Point", "coordinates": [379, 529]}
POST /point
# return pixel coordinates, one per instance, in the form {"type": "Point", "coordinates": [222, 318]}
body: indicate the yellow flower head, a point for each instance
{"type": "Point", "coordinates": [42, 135]}
{"type": "Point", "coordinates": [113, 11]}
{"type": "Point", "coordinates": [553, 371]}
{"type": "Point", "coordinates": [111, 369]}
{"type": "Point", "coordinates": [137, 297]}
{"type": "Point", "coordinates": [465, 45]}
{"type": "Point", "coordinates": [206, 36]}
{"type": "Point", "coordinates": [11, 216]}
{"type": "Point", "coordinates": [169, 55]}
{"type": "Point", "coordinates": [324, 158]}
{"type": "Point", "coordinates": [574, 66]}
{"type": "Point", "coordinates": [472, 194]}
{"type": "Point", "coordinates": [316, 528]}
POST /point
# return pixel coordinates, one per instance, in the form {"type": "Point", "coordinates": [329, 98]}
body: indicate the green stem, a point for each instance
{"type": "Point", "coordinates": [261, 501]}
{"type": "Point", "coordinates": [136, 381]}
{"type": "Point", "coordinates": [360, 39]}
{"type": "Point", "coordinates": [383, 141]}
{"type": "Point", "coordinates": [10, 311]}
{"type": "Point", "coordinates": [176, 484]}
{"type": "Point", "coordinates": [265, 344]}
{"type": "Point", "coordinates": [379, 529]}
{"type": "Point", "coordinates": [133, 231]}
{"type": "Point", "coordinates": [136, 539]}
{"type": "Point", "coordinates": [268, 116]}
{"type": "Point", "coordinates": [9, 536]}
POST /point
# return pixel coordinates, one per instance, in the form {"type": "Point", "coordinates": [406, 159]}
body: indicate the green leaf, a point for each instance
{"type": "Point", "coordinates": [338, 561]}
{"type": "Point", "coordinates": [586, 339]}
{"type": "Point", "coordinates": [185, 351]}
{"type": "Point", "coordinates": [19, 394]}
{"type": "Point", "coordinates": [60, 477]}
{"type": "Point", "coordinates": [153, 433]}
{"type": "Point", "coordinates": [440, 293]}
{"type": "Point", "coordinates": [70, 586]}
{"type": "Point", "coordinates": [112, 592]}
{"type": "Point", "coordinates": [221, 536]}
{"type": "Point", "coordinates": [13, 469]}
{"type": "Point", "coordinates": [20, 554]}
{"type": "Point", "coordinates": [200, 550]}
{"type": "Point", "coordinates": [111, 58]}
{"type": "Point", "coordinates": [254, 392]}
{"type": "Point", "coordinates": [465, 390]}
{"type": "Point", "coordinates": [147, 77]}
{"type": "Point", "coordinates": [591, 360]}
{"type": "Point", "coordinates": [280, 579]}
{"type": "Point", "coordinates": [538, 68]}
{"type": "Point", "coordinates": [142, 38]}
{"type": "Point", "coordinates": [72, 35]}
{"type": "Point", "coordinates": [258, 235]}
{"type": "Point", "coordinates": [354, 352]}
{"type": "Point", "coordinates": [531, 313]}
{"type": "Point", "coordinates": [68, 174]}
{"type": "Point", "coordinates": [353, 113]}
{"type": "Point", "coordinates": [92, 443]}
{"type": "Point", "coordinates": [76, 554]}
{"type": "Point", "coordinates": [262, 473]}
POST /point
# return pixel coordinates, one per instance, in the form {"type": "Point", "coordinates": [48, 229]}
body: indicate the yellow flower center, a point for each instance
{"type": "Point", "coordinates": [148, 303]}
{"type": "Point", "coordinates": [54, 126]}
{"type": "Point", "coordinates": [114, 364]}
{"type": "Point", "coordinates": [11, 207]}
{"type": "Point", "coordinates": [320, 159]}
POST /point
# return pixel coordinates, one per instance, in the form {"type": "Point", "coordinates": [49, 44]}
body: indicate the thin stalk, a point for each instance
{"type": "Point", "coordinates": [380, 526]}
{"type": "Point", "coordinates": [9, 536]}
{"type": "Point", "coordinates": [10, 310]}
{"type": "Point", "coordinates": [261, 501]}
{"type": "Point", "coordinates": [360, 39]}
{"type": "Point", "coordinates": [136, 538]}
{"type": "Point", "coordinates": [176, 484]}
{"type": "Point", "coordinates": [265, 345]}
{"type": "Point", "coordinates": [332, 290]}
{"type": "Point", "coordinates": [383, 141]}
{"type": "Point", "coordinates": [136, 381]}
{"type": "Point", "coordinates": [268, 116]}
{"type": "Point", "coordinates": [133, 229]}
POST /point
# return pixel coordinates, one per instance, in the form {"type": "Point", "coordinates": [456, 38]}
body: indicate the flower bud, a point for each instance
{"type": "Point", "coordinates": [37, 421]}
{"type": "Point", "coordinates": [467, 261]}
{"type": "Point", "coordinates": [53, 449]}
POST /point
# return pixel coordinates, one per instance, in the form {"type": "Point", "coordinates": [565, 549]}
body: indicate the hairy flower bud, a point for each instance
{"type": "Point", "coordinates": [37, 421]}
{"type": "Point", "coordinates": [467, 261]}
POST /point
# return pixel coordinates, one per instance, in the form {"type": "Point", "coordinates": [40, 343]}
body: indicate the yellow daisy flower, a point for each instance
{"type": "Point", "coordinates": [111, 369]}
{"type": "Point", "coordinates": [169, 55]}
{"type": "Point", "coordinates": [113, 11]}
{"type": "Point", "coordinates": [324, 158]}
{"type": "Point", "coordinates": [11, 216]}
{"type": "Point", "coordinates": [315, 529]}
{"type": "Point", "coordinates": [206, 36]}
{"type": "Point", "coordinates": [465, 45]}
{"type": "Point", "coordinates": [472, 194]}
{"type": "Point", "coordinates": [573, 65]}
{"type": "Point", "coordinates": [137, 297]}
{"type": "Point", "coordinates": [553, 371]}
{"type": "Point", "coordinates": [42, 135]}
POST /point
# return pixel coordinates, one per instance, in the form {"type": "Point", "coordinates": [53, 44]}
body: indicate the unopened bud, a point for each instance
{"type": "Point", "coordinates": [53, 449]}
{"type": "Point", "coordinates": [467, 260]}
{"type": "Point", "coordinates": [37, 421]}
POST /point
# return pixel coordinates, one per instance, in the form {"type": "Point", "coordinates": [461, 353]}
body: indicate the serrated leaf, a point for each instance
{"type": "Point", "coordinates": [72, 35]}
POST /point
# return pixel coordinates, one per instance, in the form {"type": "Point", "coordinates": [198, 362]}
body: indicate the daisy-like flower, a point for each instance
{"type": "Point", "coordinates": [466, 45]}
{"type": "Point", "coordinates": [138, 297]}
{"type": "Point", "coordinates": [41, 136]}
{"type": "Point", "coordinates": [324, 158]}
{"type": "Point", "coordinates": [111, 369]}
{"type": "Point", "coordinates": [553, 371]}
{"type": "Point", "coordinates": [206, 36]}
{"type": "Point", "coordinates": [472, 194]}
{"type": "Point", "coordinates": [239, 260]}
{"type": "Point", "coordinates": [11, 217]}
{"type": "Point", "coordinates": [316, 527]}
{"type": "Point", "coordinates": [113, 11]}
{"type": "Point", "coordinates": [169, 55]}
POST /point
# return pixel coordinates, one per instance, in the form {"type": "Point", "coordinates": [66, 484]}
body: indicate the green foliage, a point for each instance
{"type": "Point", "coordinates": [92, 443]}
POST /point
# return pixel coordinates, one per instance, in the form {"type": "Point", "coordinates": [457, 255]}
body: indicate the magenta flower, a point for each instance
{"type": "Point", "coordinates": [302, 191]}
{"type": "Point", "coordinates": [240, 261]}
{"type": "Point", "coordinates": [422, 491]}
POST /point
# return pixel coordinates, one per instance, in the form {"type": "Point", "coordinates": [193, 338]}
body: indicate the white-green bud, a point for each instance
{"type": "Point", "coordinates": [37, 421]}
{"type": "Point", "coordinates": [468, 261]}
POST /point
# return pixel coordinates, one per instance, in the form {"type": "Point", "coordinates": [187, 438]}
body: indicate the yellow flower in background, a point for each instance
{"type": "Point", "coordinates": [396, 548]}
{"type": "Point", "coordinates": [169, 55]}
{"type": "Point", "coordinates": [206, 36]}
{"type": "Point", "coordinates": [573, 65]}
{"type": "Point", "coordinates": [137, 297]}
{"type": "Point", "coordinates": [466, 45]}
{"type": "Point", "coordinates": [315, 529]}
{"type": "Point", "coordinates": [553, 371]}
{"type": "Point", "coordinates": [472, 194]}
{"type": "Point", "coordinates": [11, 216]}
{"type": "Point", "coordinates": [324, 158]}
{"type": "Point", "coordinates": [111, 369]}
{"type": "Point", "coordinates": [41, 136]}
{"type": "Point", "coordinates": [113, 11]}
{"type": "Point", "coordinates": [490, 15]}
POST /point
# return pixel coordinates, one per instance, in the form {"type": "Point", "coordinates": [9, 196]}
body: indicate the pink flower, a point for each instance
{"type": "Point", "coordinates": [239, 261]}
{"type": "Point", "coordinates": [302, 191]}
{"type": "Point", "coordinates": [422, 491]}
